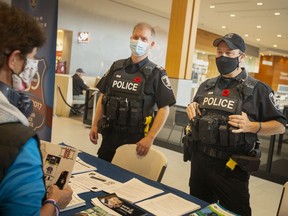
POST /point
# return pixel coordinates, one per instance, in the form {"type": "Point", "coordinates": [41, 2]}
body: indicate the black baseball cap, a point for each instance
{"type": "Point", "coordinates": [79, 70]}
{"type": "Point", "coordinates": [233, 41]}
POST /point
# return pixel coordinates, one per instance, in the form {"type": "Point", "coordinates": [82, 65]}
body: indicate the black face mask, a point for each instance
{"type": "Point", "coordinates": [226, 65]}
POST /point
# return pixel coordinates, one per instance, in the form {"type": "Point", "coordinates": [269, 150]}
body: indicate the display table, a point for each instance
{"type": "Point", "coordinates": [121, 175]}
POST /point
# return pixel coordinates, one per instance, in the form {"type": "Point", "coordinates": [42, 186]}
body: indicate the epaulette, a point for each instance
{"type": "Point", "coordinates": [118, 64]}
{"type": "Point", "coordinates": [211, 83]}
{"type": "Point", "coordinates": [160, 68]}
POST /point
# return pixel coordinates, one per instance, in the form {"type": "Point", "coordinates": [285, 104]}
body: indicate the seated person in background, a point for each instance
{"type": "Point", "coordinates": [22, 188]}
{"type": "Point", "coordinates": [79, 85]}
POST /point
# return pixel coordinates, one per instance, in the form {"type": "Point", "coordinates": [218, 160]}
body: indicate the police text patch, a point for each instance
{"type": "Point", "coordinates": [126, 86]}
{"type": "Point", "coordinates": [220, 103]}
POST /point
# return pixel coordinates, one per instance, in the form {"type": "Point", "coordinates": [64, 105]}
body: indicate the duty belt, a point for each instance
{"type": "Point", "coordinates": [213, 152]}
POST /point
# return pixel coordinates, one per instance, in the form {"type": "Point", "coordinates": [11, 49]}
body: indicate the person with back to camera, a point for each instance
{"type": "Point", "coordinates": [22, 188]}
{"type": "Point", "coordinates": [129, 91]}
{"type": "Point", "coordinates": [227, 114]}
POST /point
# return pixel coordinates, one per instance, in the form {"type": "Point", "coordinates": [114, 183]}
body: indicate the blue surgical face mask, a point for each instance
{"type": "Point", "coordinates": [138, 47]}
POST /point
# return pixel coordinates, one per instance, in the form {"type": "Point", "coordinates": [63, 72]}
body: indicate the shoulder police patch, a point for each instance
{"type": "Point", "coordinates": [166, 82]}
{"type": "Point", "coordinates": [273, 100]}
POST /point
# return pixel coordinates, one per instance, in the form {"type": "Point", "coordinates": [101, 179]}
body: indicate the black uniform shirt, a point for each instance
{"type": "Point", "coordinates": [131, 67]}
{"type": "Point", "coordinates": [259, 107]}
{"type": "Point", "coordinates": [157, 83]}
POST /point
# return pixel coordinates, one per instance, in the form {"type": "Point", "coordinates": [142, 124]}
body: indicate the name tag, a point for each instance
{"type": "Point", "coordinates": [220, 103]}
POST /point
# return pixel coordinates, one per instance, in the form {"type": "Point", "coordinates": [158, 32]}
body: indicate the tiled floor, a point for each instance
{"type": "Point", "coordinates": [265, 195]}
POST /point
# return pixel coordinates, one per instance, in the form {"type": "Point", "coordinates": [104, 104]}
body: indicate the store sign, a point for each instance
{"type": "Point", "coordinates": [83, 37]}
{"type": "Point", "coordinates": [283, 76]}
{"type": "Point", "coordinates": [269, 63]}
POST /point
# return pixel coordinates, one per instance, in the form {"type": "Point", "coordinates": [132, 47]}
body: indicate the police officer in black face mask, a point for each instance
{"type": "Point", "coordinates": [130, 90]}
{"type": "Point", "coordinates": [228, 112]}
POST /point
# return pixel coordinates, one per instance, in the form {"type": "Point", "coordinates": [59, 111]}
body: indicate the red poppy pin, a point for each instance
{"type": "Point", "coordinates": [137, 79]}
{"type": "Point", "coordinates": [226, 92]}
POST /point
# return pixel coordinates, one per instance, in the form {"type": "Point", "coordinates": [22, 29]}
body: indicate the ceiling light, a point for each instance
{"type": "Point", "coordinates": [246, 35]}
{"type": "Point", "coordinates": [212, 6]}
{"type": "Point", "coordinates": [232, 15]}
{"type": "Point", "coordinates": [277, 13]}
{"type": "Point", "coordinates": [258, 39]}
{"type": "Point", "coordinates": [279, 35]}
{"type": "Point", "coordinates": [275, 45]}
{"type": "Point", "coordinates": [259, 3]}
{"type": "Point", "coordinates": [223, 27]}
{"type": "Point", "coordinates": [258, 26]}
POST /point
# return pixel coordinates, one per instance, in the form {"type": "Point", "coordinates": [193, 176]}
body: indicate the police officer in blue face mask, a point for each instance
{"type": "Point", "coordinates": [130, 90]}
{"type": "Point", "coordinates": [227, 114]}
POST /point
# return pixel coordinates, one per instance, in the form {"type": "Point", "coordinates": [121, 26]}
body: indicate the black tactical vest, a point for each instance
{"type": "Point", "coordinates": [126, 103]}
{"type": "Point", "coordinates": [13, 137]}
{"type": "Point", "coordinates": [212, 128]}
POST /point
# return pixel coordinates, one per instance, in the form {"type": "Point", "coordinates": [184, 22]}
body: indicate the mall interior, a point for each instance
{"type": "Point", "coordinates": [92, 34]}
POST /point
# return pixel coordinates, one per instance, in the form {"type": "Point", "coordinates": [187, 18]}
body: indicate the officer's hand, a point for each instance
{"type": "Point", "coordinates": [241, 122]}
{"type": "Point", "coordinates": [191, 110]}
{"type": "Point", "coordinates": [93, 135]}
{"type": "Point", "coordinates": [144, 145]}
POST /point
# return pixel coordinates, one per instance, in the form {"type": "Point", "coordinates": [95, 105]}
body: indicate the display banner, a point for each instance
{"type": "Point", "coordinates": [42, 86]}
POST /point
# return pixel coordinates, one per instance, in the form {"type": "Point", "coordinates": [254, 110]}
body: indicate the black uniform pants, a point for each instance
{"type": "Point", "coordinates": [115, 139]}
{"type": "Point", "coordinates": [211, 181]}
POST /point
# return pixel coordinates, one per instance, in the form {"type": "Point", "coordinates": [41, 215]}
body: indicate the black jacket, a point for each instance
{"type": "Point", "coordinates": [78, 85]}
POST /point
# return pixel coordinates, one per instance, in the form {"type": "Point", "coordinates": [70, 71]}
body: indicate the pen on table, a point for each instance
{"type": "Point", "coordinates": [83, 164]}
{"type": "Point", "coordinates": [103, 180]}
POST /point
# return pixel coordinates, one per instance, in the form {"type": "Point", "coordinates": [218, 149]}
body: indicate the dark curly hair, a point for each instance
{"type": "Point", "coordinates": [18, 31]}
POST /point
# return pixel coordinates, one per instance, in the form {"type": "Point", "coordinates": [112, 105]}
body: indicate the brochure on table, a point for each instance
{"type": "Point", "coordinates": [94, 181]}
{"type": "Point", "coordinates": [168, 204]}
{"type": "Point", "coordinates": [134, 190]}
{"type": "Point", "coordinates": [74, 203]}
{"type": "Point", "coordinates": [116, 205]}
